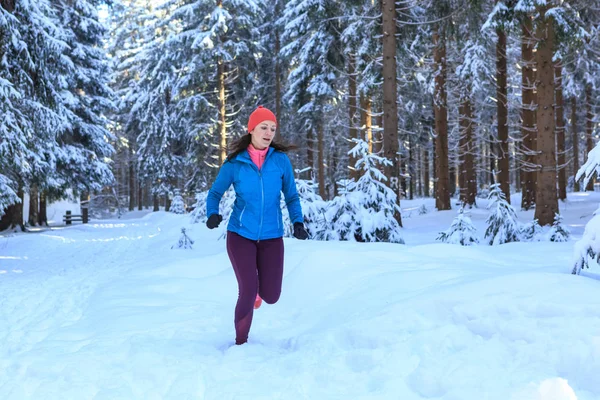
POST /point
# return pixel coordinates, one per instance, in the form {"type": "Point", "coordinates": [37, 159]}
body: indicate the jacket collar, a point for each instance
{"type": "Point", "coordinates": [244, 156]}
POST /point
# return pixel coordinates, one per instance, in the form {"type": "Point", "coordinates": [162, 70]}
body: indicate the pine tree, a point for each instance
{"type": "Point", "coordinates": [502, 224]}
{"type": "Point", "coordinates": [177, 204]}
{"type": "Point", "coordinates": [530, 232]}
{"type": "Point", "coordinates": [366, 211]}
{"type": "Point", "coordinates": [85, 143]}
{"type": "Point", "coordinates": [461, 231]}
{"type": "Point", "coordinates": [558, 232]}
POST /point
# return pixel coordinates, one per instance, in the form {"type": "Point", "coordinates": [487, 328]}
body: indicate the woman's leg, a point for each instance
{"type": "Point", "coordinates": [242, 253]}
{"type": "Point", "coordinates": [270, 269]}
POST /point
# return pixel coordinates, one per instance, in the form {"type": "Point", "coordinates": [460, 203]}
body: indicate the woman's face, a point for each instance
{"type": "Point", "coordinates": [263, 134]}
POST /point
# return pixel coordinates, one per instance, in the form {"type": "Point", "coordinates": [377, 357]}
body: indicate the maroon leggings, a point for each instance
{"type": "Point", "coordinates": [258, 267]}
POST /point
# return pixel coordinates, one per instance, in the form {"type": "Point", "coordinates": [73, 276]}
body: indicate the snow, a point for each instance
{"type": "Point", "coordinates": [108, 310]}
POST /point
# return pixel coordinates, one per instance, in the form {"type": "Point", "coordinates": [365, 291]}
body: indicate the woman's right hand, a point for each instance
{"type": "Point", "coordinates": [214, 221]}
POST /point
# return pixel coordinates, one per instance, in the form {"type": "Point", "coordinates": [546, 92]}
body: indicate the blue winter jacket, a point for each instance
{"type": "Point", "coordinates": [256, 211]}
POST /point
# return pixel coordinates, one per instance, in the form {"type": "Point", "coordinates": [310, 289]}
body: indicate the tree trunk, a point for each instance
{"type": "Point", "coordinates": [8, 5]}
{"type": "Point", "coordinates": [321, 160]}
{"type": "Point", "coordinates": [140, 198]}
{"type": "Point", "coordinates": [426, 170]}
{"type": "Point", "coordinates": [131, 180]}
{"type": "Point", "coordinates": [43, 213]}
{"type": "Point", "coordinates": [502, 113]}
{"type": "Point", "coordinates": [34, 209]}
{"type": "Point", "coordinates": [277, 83]}
{"type": "Point", "coordinates": [352, 109]}
{"type": "Point", "coordinates": [366, 121]}
{"type": "Point", "coordinates": [467, 177]}
{"type": "Point", "coordinates": [442, 196]}
{"type": "Point", "coordinates": [390, 105]}
{"type": "Point", "coordinates": [156, 202]}
{"type": "Point", "coordinates": [410, 169]}
{"type": "Point", "coordinates": [528, 129]}
{"type": "Point", "coordinates": [13, 214]}
{"type": "Point", "coordinates": [222, 115]}
{"type": "Point", "coordinates": [575, 138]}
{"type": "Point", "coordinates": [589, 129]}
{"type": "Point", "coordinates": [560, 132]}
{"type": "Point", "coordinates": [546, 201]}
{"type": "Point", "coordinates": [167, 202]}
{"type": "Point", "coordinates": [419, 167]}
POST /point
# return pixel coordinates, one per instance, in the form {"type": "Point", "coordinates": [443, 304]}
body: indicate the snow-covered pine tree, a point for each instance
{"type": "Point", "coordinates": [461, 231]}
{"type": "Point", "coordinates": [530, 232]}
{"type": "Point", "coordinates": [313, 209]}
{"type": "Point", "coordinates": [558, 232]}
{"type": "Point", "coordinates": [83, 162]}
{"type": "Point", "coordinates": [161, 147]}
{"type": "Point", "coordinates": [587, 249]}
{"type": "Point", "coordinates": [32, 100]}
{"type": "Point", "coordinates": [199, 212]}
{"type": "Point", "coordinates": [366, 211]}
{"type": "Point", "coordinates": [177, 204]}
{"type": "Point", "coordinates": [502, 224]}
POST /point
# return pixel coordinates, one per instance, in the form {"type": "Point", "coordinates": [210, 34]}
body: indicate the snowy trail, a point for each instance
{"type": "Point", "coordinates": [111, 312]}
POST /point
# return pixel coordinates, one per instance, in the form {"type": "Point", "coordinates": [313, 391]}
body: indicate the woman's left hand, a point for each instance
{"type": "Point", "coordinates": [300, 231]}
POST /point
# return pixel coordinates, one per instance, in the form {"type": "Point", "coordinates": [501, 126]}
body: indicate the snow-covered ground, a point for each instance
{"type": "Point", "coordinates": [109, 311]}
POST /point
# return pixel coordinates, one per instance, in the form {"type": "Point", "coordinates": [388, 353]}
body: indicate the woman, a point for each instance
{"type": "Point", "coordinates": [259, 170]}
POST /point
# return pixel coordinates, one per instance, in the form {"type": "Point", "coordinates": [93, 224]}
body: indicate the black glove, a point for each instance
{"type": "Point", "coordinates": [214, 221]}
{"type": "Point", "coordinates": [300, 231]}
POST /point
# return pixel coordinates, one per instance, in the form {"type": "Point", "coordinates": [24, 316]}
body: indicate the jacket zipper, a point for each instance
{"type": "Point", "coordinates": [242, 214]}
{"type": "Point", "coordinates": [262, 204]}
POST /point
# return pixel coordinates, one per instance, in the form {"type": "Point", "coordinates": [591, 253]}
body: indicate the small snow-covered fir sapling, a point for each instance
{"type": "Point", "coordinates": [423, 209]}
{"type": "Point", "coordinates": [199, 212]}
{"type": "Point", "coordinates": [461, 231]}
{"type": "Point", "coordinates": [558, 232]}
{"type": "Point", "coordinates": [185, 242]}
{"type": "Point", "coordinates": [530, 232]}
{"type": "Point", "coordinates": [502, 224]}
{"type": "Point", "coordinates": [177, 205]}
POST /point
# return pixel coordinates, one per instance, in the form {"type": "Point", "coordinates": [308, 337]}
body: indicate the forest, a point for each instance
{"type": "Point", "coordinates": [131, 101]}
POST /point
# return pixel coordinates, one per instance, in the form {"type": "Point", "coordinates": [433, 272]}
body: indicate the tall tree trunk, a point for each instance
{"type": "Point", "coordinates": [442, 196]}
{"type": "Point", "coordinates": [352, 109]}
{"type": "Point", "coordinates": [131, 180]}
{"type": "Point", "coordinates": [419, 167]}
{"type": "Point", "coordinates": [310, 153]}
{"type": "Point", "coordinates": [140, 198]}
{"type": "Point", "coordinates": [33, 206]}
{"type": "Point", "coordinates": [43, 213]}
{"type": "Point", "coordinates": [502, 113]}
{"type": "Point", "coordinates": [528, 114]}
{"type": "Point", "coordinates": [560, 132]}
{"type": "Point", "coordinates": [366, 120]}
{"type": "Point", "coordinates": [222, 115]}
{"type": "Point", "coordinates": [546, 201]}
{"type": "Point", "coordinates": [390, 105]}
{"type": "Point", "coordinates": [156, 203]}
{"type": "Point", "coordinates": [321, 160]}
{"type": "Point", "coordinates": [277, 82]}
{"type": "Point", "coordinates": [410, 168]}
{"type": "Point", "coordinates": [426, 170]}
{"type": "Point", "coordinates": [167, 202]}
{"type": "Point", "coordinates": [575, 138]}
{"type": "Point", "coordinates": [467, 177]}
{"type": "Point", "coordinates": [589, 129]}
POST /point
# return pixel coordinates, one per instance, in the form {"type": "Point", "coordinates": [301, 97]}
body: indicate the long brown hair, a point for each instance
{"type": "Point", "coordinates": [242, 143]}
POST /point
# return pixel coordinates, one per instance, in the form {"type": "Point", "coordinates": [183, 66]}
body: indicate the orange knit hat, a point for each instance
{"type": "Point", "coordinates": [259, 115]}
